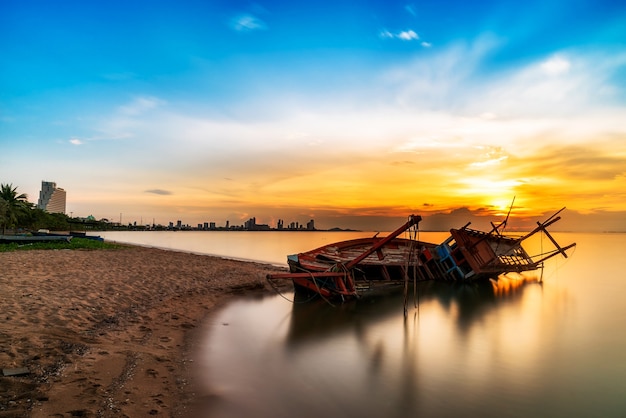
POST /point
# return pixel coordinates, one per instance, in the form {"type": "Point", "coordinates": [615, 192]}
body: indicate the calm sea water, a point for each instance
{"type": "Point", "coordinates": [266, 246]}
{"type": "Point", "coordinates": [515, 348]}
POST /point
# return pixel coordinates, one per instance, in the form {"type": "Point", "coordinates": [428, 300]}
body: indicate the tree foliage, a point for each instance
{"type": "Point", "coordinates": [14, 207]}
{"type": "Point", "coordinates": [17, 213]}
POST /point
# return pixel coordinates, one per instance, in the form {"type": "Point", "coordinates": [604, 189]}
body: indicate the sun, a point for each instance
{"type": "Point", "coordinates": [494, 194]}
{"type": "Point", "coordinates": [501, 205]}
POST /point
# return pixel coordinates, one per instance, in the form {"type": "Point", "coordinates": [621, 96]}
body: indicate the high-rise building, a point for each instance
{"type": "Point", "coordinates": [51, 198]}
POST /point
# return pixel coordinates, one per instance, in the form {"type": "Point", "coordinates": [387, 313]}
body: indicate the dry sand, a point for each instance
{"type": "Point", "coordinates": [109, 333]}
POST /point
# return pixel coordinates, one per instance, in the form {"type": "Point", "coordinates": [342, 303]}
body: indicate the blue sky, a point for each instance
{"type": "Point", "coordinates": [340, 111]}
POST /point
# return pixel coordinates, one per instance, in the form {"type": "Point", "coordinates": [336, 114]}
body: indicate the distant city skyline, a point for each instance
{"type": "Point", "coordinates": [353, 114]}
{"type": "Point", "coordinates": [248, 225]}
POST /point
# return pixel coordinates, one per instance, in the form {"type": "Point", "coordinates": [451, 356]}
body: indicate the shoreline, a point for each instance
{"type": "Point", "coordinates": [110, 333]}
{"type": "Point", "coordinates": [278, 266]}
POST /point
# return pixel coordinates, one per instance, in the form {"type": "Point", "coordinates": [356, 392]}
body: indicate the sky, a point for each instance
{"type": "Point", "coordinates": [354, 114]}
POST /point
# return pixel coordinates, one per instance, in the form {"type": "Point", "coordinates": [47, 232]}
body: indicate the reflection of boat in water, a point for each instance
{"type": "Point", "coordinates": [314, 320]}
{"type": "Point", "coordinates": [348, 269]}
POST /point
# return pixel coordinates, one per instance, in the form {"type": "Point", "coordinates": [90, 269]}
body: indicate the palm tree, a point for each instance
{"type": "Point", "coordinates": [12, 206]}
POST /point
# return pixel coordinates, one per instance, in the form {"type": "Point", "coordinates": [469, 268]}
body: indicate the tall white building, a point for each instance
{"type": "Point", "coordinates": [51, 198]}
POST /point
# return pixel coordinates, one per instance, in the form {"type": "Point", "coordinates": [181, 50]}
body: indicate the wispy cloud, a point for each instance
{"type": "Point", "coordinates": [405, 35]}
{"type": "Point", "coordinates": [587, 163]}
{"type": "Point", "coordinates": [433, 111]}
{"type": "Point", "coordinates": [410, 9]}
{"type": "Point", "coordinates": [140, 105]}
{"type": "Point", "coordinates": [80, 141]}
{"type": "Point", "coordinates": [160, 192]}
{"type": "Point", "coordinates": [559, 86]}
{"type": "Point", "coordinates": [556, 65]}
{"type": "Point", "coordinates": [247, 23]}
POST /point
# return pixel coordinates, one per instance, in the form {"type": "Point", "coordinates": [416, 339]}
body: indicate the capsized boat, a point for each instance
{"type": "Point", "coordinates": [347, 269]}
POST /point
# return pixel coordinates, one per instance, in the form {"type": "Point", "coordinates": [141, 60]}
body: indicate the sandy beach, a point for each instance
{"type": "Point", "coordinates": [109, 333]}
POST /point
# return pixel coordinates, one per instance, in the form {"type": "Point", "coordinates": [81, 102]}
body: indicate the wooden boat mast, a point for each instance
{"type": "Point", "coordinates": [345, 270]}
{"type": "Point", "coordinates": [542, 227]}
{"type": "Point", "coordinates": [413, 220]}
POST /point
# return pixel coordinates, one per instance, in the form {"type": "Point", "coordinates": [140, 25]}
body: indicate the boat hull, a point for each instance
{"type": "Point", "coordinates": [323, 270]}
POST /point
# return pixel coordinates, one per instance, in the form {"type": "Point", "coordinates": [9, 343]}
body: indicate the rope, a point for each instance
{"type": "Point", "coordinates": [319, 291]}
{"type": "Point", "coordinates": [278, 291]}
{"type": "Point", "coordinates": [317, 286]}
{"type": "Point", "coordinates": [560, 266]}
{"type": "Point", "coordinates": [310, 298]}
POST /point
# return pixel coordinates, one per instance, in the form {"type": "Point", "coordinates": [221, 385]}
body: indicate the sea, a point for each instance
{"type": "Point", "coordinates": [547, 344]}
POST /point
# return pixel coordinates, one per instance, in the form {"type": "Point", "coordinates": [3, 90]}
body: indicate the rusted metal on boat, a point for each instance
{"type": "Point", "coordinates": [347, 269]}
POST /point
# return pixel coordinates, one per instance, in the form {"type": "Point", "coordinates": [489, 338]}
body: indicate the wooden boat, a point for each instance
{"type": "Point", "coordinates": [71, 234]}
{"type": "Point", "coordinates": [347, 269]}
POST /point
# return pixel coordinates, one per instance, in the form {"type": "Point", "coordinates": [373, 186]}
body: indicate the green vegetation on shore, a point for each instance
{"type": "Point", "coordinates": [17, 214]}
{"type": "Point", "coordinates": [74, 244]}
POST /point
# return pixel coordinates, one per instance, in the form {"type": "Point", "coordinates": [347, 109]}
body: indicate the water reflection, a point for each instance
{"type": "Point", "coordinates": [365, 358]}
{"type": "Point", "coordinates": [399, 375]}
{"type": "Point", "coordinates": [317, 319]}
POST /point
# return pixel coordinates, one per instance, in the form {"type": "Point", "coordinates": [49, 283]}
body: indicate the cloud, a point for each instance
{"type": "Point", "coordinates": [562, 85]}
{"type": "Point", "coordinates": [247, 23]}
{"type": "Point", "coordinates": [141, 105]}
{"type": "Point", "coordinates": [405, 35]}
{"type": "Point", "coordinates": [410, 9]}
{"type": "Point", "coordinates": [436, 102]}
{"type": "Point", "coordinates": [434, 110]}
{"type": "Point", "coordinates": [571, 91]}
{"type": "Point", "coordinates": [591, 163]}
{"type": "Point", "coordinates": [408, 35]}
{"type": "Point", "coordinates": [493, 162]}
{"type": "Point", "coordinates": [159, 192]}
{"type": "Point", "coordinates": [76, 141]}
{"type": "Point", "coordinates": [555, 66]}
{"type": "Point", "coordinates": [403, 163]}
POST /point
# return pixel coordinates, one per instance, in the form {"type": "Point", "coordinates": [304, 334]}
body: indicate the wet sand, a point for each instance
{"type": "Point", "coordinates": [109, 333]}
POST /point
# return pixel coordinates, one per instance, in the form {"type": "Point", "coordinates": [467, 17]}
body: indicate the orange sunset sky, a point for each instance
{"type": "Point", "coordinates": [355, 116]}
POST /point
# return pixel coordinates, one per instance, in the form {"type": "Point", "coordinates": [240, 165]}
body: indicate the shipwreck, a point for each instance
{"type": "Point", "coordinates": [348, 269]}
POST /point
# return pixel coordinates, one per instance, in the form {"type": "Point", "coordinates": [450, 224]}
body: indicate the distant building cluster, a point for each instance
{"type": "Point", "coordinates": [51, 198]}
{"type": "Point", "coordinates": [249, 225]}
